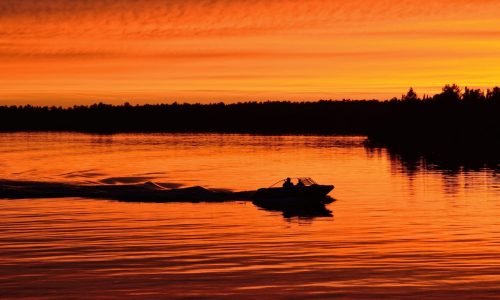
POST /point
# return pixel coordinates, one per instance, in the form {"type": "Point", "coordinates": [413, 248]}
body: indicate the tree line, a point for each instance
{"type": "Point", "coordinates": [452, 93]}
{"type": "Point", "coordinates": [452, 116]}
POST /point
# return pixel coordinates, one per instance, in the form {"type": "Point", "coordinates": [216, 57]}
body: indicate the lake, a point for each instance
{"type": "Point", "coordinates": [393, 231]}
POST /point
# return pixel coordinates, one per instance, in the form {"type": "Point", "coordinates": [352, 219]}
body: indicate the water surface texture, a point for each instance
{"type": "Point", "coordinates": [391, 233]}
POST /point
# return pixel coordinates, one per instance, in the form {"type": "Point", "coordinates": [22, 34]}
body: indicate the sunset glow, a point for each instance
{"type": "Point", "coordinates": [78, 52]}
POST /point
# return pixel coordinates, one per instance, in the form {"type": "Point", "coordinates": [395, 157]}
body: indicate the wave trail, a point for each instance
{"type": "Point", "coordinates": [140, 192]}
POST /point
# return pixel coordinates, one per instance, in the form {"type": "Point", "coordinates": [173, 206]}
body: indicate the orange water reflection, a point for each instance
{"type": "Point", "coordinates": [390, 236]}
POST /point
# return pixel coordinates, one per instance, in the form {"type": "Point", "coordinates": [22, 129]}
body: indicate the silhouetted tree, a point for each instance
{"type": "Point", "coordinates": [410, 95]}
{"type": "Point", "coordinates": [493, 95]}
{"type": "Point", "coordinates": [473, 95]}
{"type": "Point", "coordinates": [449, 94]}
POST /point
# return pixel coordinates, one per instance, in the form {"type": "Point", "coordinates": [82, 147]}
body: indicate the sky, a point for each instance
{"type": "Point", "coordinates": [67, 52]}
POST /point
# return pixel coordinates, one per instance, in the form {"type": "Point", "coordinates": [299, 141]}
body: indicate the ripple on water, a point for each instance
{"type": "Point", "coordinates": [391, 235]}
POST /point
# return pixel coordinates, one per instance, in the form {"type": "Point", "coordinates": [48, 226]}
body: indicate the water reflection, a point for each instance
{"type": "Point", "coordinates": [458, 168]}
{"type": "Point", "coordinates": [408, 225]}
{"type": "Point", "coordinates": [301, 211]}
{"type": "Point", "coordinates": [448, 160]}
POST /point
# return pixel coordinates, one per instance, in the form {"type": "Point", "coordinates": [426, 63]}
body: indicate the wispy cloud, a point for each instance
{"type": "Point", "coordinates": [338, 40]}
{"type": "Point", "coordinates": [155, 18]}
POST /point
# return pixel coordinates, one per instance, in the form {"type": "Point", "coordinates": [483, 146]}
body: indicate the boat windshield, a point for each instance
{"type": "Point", "coordinates": [306, 181]}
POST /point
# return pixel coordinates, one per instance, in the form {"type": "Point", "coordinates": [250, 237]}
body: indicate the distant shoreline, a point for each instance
{"type": "Point", "coordinates": [453, 117]}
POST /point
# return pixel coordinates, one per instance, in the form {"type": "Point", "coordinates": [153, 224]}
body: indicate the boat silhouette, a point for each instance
{"type": "Point", "coordinates": [285, 192]}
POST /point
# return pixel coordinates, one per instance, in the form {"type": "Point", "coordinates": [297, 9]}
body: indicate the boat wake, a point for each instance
{"type": "Point", "coordinates": [137, 192]}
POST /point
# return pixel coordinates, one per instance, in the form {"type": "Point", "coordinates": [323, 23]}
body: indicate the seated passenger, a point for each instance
{"type": "Point", "coordinates": [300, 183]}
{"type": "Point", "coordinates": [288, 183]}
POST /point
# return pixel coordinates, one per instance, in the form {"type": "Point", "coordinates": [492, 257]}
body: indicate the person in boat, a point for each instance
{"type": "Point", "coordinates": [300, 183]}
{"type": "Point", "coordinates": [288, 183]}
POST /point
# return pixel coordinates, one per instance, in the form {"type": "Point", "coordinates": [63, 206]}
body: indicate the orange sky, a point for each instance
{"type": "Point", "coordinates": [78, 52]}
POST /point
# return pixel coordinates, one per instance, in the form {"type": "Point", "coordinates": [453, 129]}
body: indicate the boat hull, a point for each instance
{"type": "Point", "coordinates": [294, 195]}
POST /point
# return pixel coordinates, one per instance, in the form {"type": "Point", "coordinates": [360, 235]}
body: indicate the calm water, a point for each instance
{"type": "Point", "coordinates": [428, 234]}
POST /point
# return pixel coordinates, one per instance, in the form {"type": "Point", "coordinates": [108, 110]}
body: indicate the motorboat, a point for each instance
{"type": "Point", "coordinates": [301, 190]}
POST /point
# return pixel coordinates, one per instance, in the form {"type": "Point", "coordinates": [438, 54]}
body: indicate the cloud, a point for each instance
{"type": "Point", "coordinates": [168, 19]}
{"type": "Point", "coordinates": [114, 44]}
{"type": "Point", "coordinates": [40, 53]}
